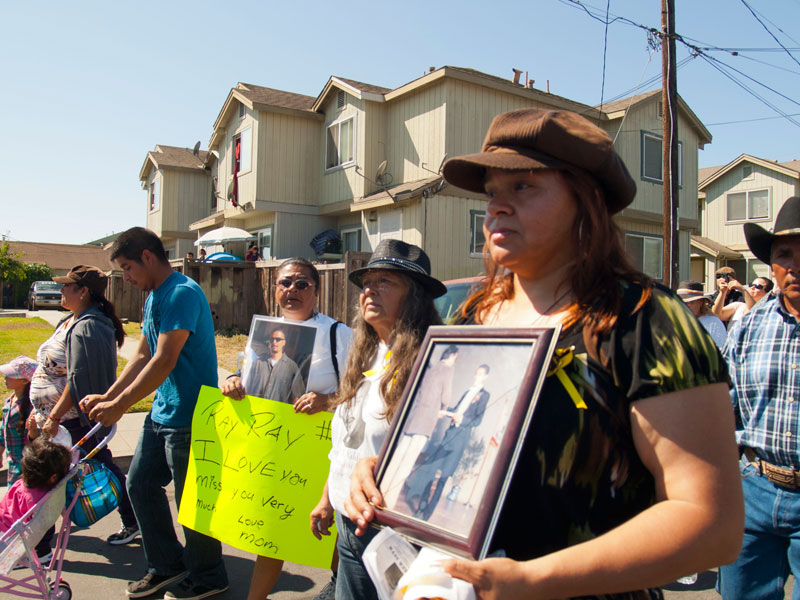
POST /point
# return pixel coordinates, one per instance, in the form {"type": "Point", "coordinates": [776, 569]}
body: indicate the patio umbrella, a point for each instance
{"type": "Point", "coordinates": [222, 235]}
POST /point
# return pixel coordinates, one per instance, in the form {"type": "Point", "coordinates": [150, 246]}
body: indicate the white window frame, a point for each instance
{"type": "Point", "coordinates": [246, 135]}
{"type": "Point", "coordinates": [154, 195]}
{"type": "Point", "coordinates": [261, 235]}
{"type": "Point", "coordinates": [650, 238]}
{"type": "Point", "coordinates": [338, 124]}
{"type": "Point", "coordinates": [645, 177]}
{"type": "Point", "coordinates": [348, 230]}
{"type": "Point", "coordinates": [242, 110]}
{"type": "Point", "coordinates": [474, 215]}
{"type": "Point", "coordinates": [747, 206]}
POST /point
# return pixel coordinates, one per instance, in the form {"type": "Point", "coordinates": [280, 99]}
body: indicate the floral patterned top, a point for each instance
{"type": "Point", "coordinates": [50, 377]}
{"type": "Point", "coordinates": [579, 474]}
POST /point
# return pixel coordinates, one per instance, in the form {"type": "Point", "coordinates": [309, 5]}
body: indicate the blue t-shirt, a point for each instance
{"type": "Point", "coordinates": [179, 303]}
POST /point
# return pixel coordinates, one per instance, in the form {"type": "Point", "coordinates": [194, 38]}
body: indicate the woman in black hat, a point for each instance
{"type": "Point", "coordinates": [396, 303]}
{"type": "Point", "coordinates": [627, 478]}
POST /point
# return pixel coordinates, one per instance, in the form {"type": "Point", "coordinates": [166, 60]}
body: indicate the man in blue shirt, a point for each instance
{"type": "Point", "coordinates": [763, 353]}
{"type": "Point", "coordinates": [176, 355]}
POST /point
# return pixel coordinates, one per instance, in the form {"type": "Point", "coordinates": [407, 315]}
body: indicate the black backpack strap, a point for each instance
{"type": "Point", "coordinates": [334, 360]}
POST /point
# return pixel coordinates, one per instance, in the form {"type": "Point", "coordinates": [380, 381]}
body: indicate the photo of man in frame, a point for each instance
{"type": "Point", "coordinates": [278, 357]}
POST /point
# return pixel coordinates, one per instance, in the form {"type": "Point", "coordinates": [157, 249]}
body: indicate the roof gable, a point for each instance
{"type": "Point", "coordinates": [362, 91]}
{"type": "Point", "coordinates": [791, 168]}
{"type": "Point", "coordinates": [172, 157]}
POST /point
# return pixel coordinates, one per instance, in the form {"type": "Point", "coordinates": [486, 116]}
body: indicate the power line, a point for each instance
{"type": "Point", "coordinates": [750, 120]}
{"type": "Point", "coordinates": [775, 26]}
{"type": "Point", "coordinates": [752, 12]}
{"type": "Point", "coordinates": [605, 47]}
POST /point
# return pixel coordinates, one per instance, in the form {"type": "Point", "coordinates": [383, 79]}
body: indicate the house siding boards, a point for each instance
{"type": "Point", "coordinates": [447, 237]}
{"type": "Point", "coordinates": [342, 183]}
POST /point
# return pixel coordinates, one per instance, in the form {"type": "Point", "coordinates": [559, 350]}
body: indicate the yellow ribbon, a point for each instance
{"type": "Point", "coordinates": [561, 358]}
{"type": "Point", "coordinates": [372, 372]}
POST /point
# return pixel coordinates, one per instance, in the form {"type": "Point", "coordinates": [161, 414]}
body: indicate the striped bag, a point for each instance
{"type": "Point", "coordinates": [98, 492]}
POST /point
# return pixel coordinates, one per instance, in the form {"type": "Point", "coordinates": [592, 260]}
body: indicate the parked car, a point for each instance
{"type": "Point", "coordinates": [458, 290]}
{"type": "Point", "coordinates": [44, 294]}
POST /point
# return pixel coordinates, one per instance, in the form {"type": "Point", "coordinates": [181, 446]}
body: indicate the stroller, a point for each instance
{"type": "Point", "coordinates": [19, 542]}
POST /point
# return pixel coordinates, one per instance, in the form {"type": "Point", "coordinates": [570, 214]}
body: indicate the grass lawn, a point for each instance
{"type": "Point", "coordinates": [24, 336]}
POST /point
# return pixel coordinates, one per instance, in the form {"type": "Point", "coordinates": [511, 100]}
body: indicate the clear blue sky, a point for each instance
{"type": "Point", "coordinates": [88, 88]}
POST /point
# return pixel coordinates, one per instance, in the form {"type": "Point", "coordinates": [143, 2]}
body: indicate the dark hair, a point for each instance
{"type": "Point", "coordinates": [768, 285]}
{"type": "Point", "coordinates": [24, 403]}
{"type": "Point", "coordinates": [485, 367]}
{"type": "Point", "coordinates": [132, 243]}
{"type": "Point", "coordinates": [449, 351]}
{"type": "Point", "coordinates": [600, 258]}
{"type": "Point", "coordinates": [301, 262]}
{"type": "Point", "coordinates": [417, 315]}
{"type": "Point", "coordinates": [107, 308]}
{"type": "Point", "coordinates": [41, 459]}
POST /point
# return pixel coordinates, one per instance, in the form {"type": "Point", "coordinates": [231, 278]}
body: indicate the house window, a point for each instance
{"type": "Point", "coordinates": [653, 159]}
{"type": "Point", "coordinates": [646, 253]}
{"type": "Point", "coordinates": [265, 242]}
{"type": "Point", "coordinates": [340, 144]}
{"type": "Point", "coordinates": [351, 239]}
{"type": "Point", "coordinates": [747, 206]}
{"type": "Point", "coordinates": [155, 192]}
{"type": "Point", "coordinates": [242, 151]}
{"type": "Point", "coordinates": [242, 111]}
{"type": "Point", "coordinates": [476, 239]}
{"type": "Point", "coordinates": [747, 172]}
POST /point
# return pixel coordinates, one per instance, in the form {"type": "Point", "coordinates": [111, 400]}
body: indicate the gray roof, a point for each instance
{"type": "Point", "coordinates": [265, 95]}
{"type": "Point", "coordinates": [365, 87]}
{"type": "Point", "coordinates": [609, 107]}
{"type": "Point", "coordinates": [62, 257]}
{"type": "Point", "coordinates": [172, 156]}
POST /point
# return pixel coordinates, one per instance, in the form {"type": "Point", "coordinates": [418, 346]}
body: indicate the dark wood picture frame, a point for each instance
{"type": "Point", "coordinates": [507, 363]}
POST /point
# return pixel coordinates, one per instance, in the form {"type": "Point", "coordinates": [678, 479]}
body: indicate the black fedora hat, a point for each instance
{"type": "Point", "coordinates": [787, 223]}
{"type": "Point", "coordinates": [411, 260]}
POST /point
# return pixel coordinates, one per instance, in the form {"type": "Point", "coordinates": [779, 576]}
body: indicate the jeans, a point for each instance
{"type": "Point", "coordinates": [77, 431]}
{"type": "Point", "coordinates": [771, 546]}
{"type": "Point", "coordinates": [162, 454]}
{"type": "Point", "coordinates": [353, 582]}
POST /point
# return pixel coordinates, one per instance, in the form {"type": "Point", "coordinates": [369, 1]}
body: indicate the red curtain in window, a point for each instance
{"type": "Point", "coordinates": [237, 148]}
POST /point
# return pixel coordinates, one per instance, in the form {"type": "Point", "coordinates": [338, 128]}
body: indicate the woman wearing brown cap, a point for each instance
{"type": "Point", "coordinates": [627, 478]}
{"type": "Point", "coordinates": [89, 337]}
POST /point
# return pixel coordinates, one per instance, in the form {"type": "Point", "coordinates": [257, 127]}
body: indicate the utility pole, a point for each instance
{"type": "Point", "coordinates": [669, 103]}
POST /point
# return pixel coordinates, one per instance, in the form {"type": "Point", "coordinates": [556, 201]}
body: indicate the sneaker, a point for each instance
{"type": "Point", "coordinates": [329, 591]}
{"type": "Point", "coordinates": [151, 583]}
{"type": "Point", "coordinates": [44, 560]}
{"type": "Point", "coordinates": [124, 536]}
{"type": "Point", "coordinates": [186, 590]}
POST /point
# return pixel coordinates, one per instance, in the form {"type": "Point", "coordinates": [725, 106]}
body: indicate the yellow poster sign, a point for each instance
{"type": "Point", "coordinates": [256, 470]}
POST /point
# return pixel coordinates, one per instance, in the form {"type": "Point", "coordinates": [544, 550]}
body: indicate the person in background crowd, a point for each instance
{"type": "Point", "coordinates": [396, 309]}
{"type": "Point", "coordinates": [297, 293]}
{"type": "Point", "coordinates": [93, 333]}
{"type": "Point", "coordinates": [190, 256]}
{"type": "Point", "coordinates": [691, 292]}
{"type": "Point", "coordinates": [175, 357]}
{"type": "Point", "coordinates": [252, 253]}
{"type": "Point", "coordinates": [732, 300]}
{"type": "Point", "coordinates": [627, 476]}
{"type": "Point", "coordinates": [202, 255]}
{"type": "Point", "coordinates": [18, 374]}
{"type": "Point", "coordinates": [760, 287]}
{"type": "Point", "coordinates": [763, 354]}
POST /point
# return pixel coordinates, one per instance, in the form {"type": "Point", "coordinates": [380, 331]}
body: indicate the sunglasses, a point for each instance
{"type": "Point", "coordinates": [758, 286]}
{"type": "Point", "coordinates": [278, 339]}
{"type": "Point", "coordinates": [300, 284]}
{"type": "Point", "coordinates": [725, 276]}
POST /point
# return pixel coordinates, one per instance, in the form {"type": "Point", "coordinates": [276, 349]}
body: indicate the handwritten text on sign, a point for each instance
{"type": "Point", "coordinates": [256, 471]}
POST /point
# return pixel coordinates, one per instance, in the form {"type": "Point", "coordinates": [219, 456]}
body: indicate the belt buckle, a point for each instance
{"type": "Point", "coordinates": [781, 476]}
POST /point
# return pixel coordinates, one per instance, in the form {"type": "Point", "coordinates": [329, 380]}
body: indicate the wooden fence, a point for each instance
{"type": "Point", "coordinates": [238, 290]}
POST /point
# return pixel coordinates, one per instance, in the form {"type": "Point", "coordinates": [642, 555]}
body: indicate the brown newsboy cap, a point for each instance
{"type": "Point", "coordinates": [89, 277]}
{"type": "Point", "coordinates": [534, 138]}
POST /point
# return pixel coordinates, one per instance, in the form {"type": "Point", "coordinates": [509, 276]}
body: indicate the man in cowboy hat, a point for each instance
{"type": "Point", "coordinates": [763, 354]}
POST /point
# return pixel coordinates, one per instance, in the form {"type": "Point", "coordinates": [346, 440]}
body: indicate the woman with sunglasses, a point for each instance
{"type": "Point", "coordinates": [760, 287]}
{"type": "Point", "coordinates": [297, 291]}
{"type": "Point", "coordinates": [627, 478]}
{"type": "Point", "coordinates": [83, 348]}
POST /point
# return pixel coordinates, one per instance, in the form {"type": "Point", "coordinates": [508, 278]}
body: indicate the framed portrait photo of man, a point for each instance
{"type": "Point", "coordinates": [277, 358]}
{"type": "Point", "coordinates": [447, 462]}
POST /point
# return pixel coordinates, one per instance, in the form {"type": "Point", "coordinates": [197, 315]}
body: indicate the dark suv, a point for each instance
{"type": "Point", "coordinates": [44, 294]}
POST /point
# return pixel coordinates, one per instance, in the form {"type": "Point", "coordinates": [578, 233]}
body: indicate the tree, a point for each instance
{"type": "Point", "coordinates": [12, 269]}
{"type": "Point", "coordinates": [33, 272]}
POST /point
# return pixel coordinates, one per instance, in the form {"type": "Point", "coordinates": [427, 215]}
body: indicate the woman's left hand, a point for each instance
{"type": "Point", "coordinates": [50, 427]}
{"type": "Point", "coordinates": [311, 403]}
{"type": "Point", "coordinates": [492, 578]}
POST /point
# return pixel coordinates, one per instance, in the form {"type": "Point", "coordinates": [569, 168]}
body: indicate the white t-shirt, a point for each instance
{"type": "Point", "coordinates": [741, 310]}
{"type": "Point", "coordinates": [715, 327]}
{"type": "Point", "coordinates": [322, 376]}
{"type": "Point", "coordinates": [349, 434]}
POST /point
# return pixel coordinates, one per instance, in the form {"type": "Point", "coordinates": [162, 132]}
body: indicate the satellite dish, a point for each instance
{"type": "Point", "coordinates": [381, 170]}
{"type": "Point", "coordinates": [196, 150]}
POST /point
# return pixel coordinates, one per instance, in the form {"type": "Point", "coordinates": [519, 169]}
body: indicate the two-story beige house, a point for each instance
{"type": "Point", "coordinates": [747, 189]}
{"type": "Point", "coordinates": [178, 186]}
{"type": "Point", "coordinates": [365, 160]}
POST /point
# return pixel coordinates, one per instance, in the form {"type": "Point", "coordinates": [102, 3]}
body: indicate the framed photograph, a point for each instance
{"type": "Point", "coordinates": [448, 459]}
{"type": "Point", "coordinates": [277, 358]}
